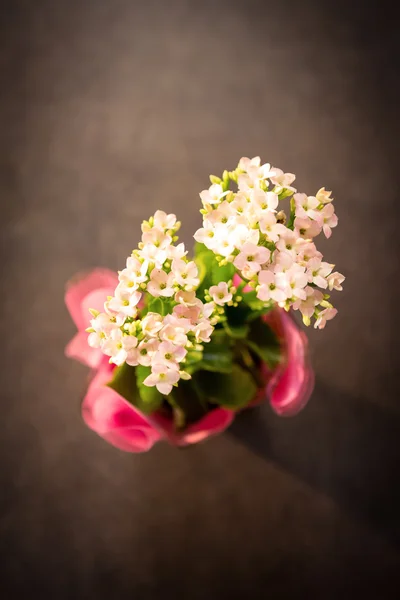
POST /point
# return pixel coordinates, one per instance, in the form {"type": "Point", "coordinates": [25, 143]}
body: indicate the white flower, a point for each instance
{"type": "Point", "coordinates": [203, 331]}
{"type": "Point", "coordinates": [174, 331]}
{"type": "Point", "coordinates": [161, 283]}
{"type": "Point", "coordinates": [206, 235]}
{"type": "Point", "coordinates": [135, 271]}
{"type": "Point", "coordinates": [246, 164]}
{"type": "Point", "coordinates": [151, 324]}
{"type": "Point", "coordinates": [241, 234]}
{"type": "Point", "coordinates": [170, 355]}
{"type": "Point", "coordinates": [222, 214]}
{"type": "Point", "coordinates": [307, 306]}
{"type": "Point", "coordinates": [288, 242]}
{"type": "Point", "coordinates": [251, 257]}
{"type": "Point", "coordinates": [240, 204]}
{"type": "Point", "coordinates": [176, 251]}
{"type": "Point", "coordinates": [96, 338]}
{"type": "Point", "coordinates": [264, 201]}
{"type": "Point", "coordinates": [306, 251]}
{"type": "Point", "coordinates": [306, 228]}
{"type": "Point", "coordinates": [128, 280]}
{"type": "Point", "coordinates": [220, 293]}
{"type": "Point", "coordinates": [213, 195]}
{"type": "Point", "coordinates": [186, 315]}
{"type": "Point", "coordinates": [187, 298]}
{"type": "Point", "coordinates": [157, 237]}
{"type": "Point", "coordinates": [163, 378]}
{"type": "Point", "coordinates": [226, 237]}
{"type": "Point", "coordinates": [272, 286]}
{"type": "Point", "coordinates": [254, 170]}
{"type": "Point", "coordinates": [283, 180]}
{"type": "Point", "coordinates": [182, 317]}
{"type": "Point", "coordinates": [306, 206]}
{"type": "Point", "coordinates": [323, 196]}
{"type": "Point", "coordinates": [207, 309]}
{"type": "Point", "coordinates": [246, 183]}
{"type": "Point", "coordinates": [297, 281]}
{"type": "Point", "coordinates": [124, 302]}
{"type": "Point", "coordinates": [119, 347]}
{"type": "Point", "coordinates": [283, 261]}
{"type": "Point", "coordinates": [335, 280]}
{"type": "Point", "coordinates": [222, 243]}
{"type": "Point", "coordinates": [329, 219]}
{"type": "Point", "coordinates": [318, 272]}
{"type": "Point", "coordinates": [146, 350]}
{"type": "Point", "coordinates": [164, 221]}
{"type": "Point", "coordinates": [185, 273]}
{"type": "Point", "coordinates": [153, 254]}
{"type": "Point", "coordinates": [270, 227]}
{"type": "Point", "coordinates": [102, 325]}
{"type": "Point", "coordinates": [324, 316]}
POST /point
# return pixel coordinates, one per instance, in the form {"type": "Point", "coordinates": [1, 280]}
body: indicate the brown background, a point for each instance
{"type": "Point", "coordinates": [111, 109]}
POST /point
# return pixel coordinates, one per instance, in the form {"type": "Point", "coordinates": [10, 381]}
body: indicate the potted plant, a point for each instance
{"type": "Point", "coordinates": [178, 346]}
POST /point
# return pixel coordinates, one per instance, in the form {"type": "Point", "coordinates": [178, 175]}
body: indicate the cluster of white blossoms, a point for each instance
{"type": "Point", "coordinates": [274, 252]}
{"type": "Point", "coordinates": [158, 269]}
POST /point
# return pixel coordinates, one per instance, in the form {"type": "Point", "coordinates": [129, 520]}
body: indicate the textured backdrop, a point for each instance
{"type": "Point", "coordinates": [111, 109]}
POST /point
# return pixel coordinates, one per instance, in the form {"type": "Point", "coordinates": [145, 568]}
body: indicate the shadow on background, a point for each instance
{"type": "Point", "coordinates": [344, 447]}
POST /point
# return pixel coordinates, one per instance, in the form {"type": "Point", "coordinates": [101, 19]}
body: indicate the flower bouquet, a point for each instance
{"type": "Point", "coordinates": [177, 346]}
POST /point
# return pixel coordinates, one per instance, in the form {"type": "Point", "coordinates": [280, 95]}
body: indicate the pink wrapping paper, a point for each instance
{"type": "Point", "coordinates": [288, 387]}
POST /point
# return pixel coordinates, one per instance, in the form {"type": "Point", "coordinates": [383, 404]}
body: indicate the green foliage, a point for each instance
{"type": "Point", "coordinates": [124, 383]}
{"type": "Point", "coordinates": [210, 272]}
{"type": "Point", "coordinates": [217, 354]}
{"type": "Point", "coordinates": [204, 259]}
{"type": "Point", "coordinates": [224, 273]}
{"type": "Point", "coordinates": [127, 381]}
{"type": "Point", "coordinates": [150, 397]}
{"type": "Point", "coordinates": [236, 331]}
{"type": "Point", "coordinates": [236, 320]}
{"type": "Point", "coordinates": [264, 343]}
{"type": "Point", "coordinates": [162, 306]}
{"type": "Point", "coordinates": [234, 390]}
{"type": "Point", "coordinates": [188, 405]}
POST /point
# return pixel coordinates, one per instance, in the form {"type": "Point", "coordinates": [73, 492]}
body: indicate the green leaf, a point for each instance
{"type": "Point", "coordinates": [193, 357]}
{"type": "Point", "coordinates": [187, 403]}
{"type": "Point", "coordinates": [236, 331]}
{"type": "Point", "coordinates": [224, 273]}
{"type": "Point", "coordinates": [156, 305]}
{"type": "Point", "coordinates": [160, 306]}
{"type": "Point", "coordinates": [236, 323]}
{"type": "Point", "coordinates": [124, 383]}
{"type": "Point", "coordinates": [233, 391]}
{"type": "Point", "coordinates": [217, 354]}
{"type": "Point", "coordinates": [204, 261]}
{"type": "Point", "coordinates": [264, 343]}
{"type": "Point", "coordinates": [199, 248]}
{"type": "Point", "coordinates": [150, 397]}
{"type": "Point", "coordinates": [210, 272]}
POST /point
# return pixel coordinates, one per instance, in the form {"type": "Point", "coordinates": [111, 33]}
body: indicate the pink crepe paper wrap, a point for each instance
{"type": "Point", "coordinates": [113, 418]}
{"type": "Point", "coordinates": [290, 385]}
